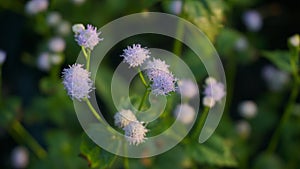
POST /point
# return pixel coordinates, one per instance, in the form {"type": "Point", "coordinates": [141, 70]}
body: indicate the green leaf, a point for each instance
{"type": "Point", "coordinates": [94, 155]}
{"type": "Point", "coordinates": [216, 151]}
{"type": "Point", "coordinates": [280, 58]}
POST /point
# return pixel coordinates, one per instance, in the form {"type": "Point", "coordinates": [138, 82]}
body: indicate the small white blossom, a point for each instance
{"type": "Point", "coordinates": [209, 102]}
{"type": "Point", "coordinates": [135, 133]}
{"type": "Point", "coordinates": [135, 55]}
{"type": "Point", "coordinates": [295, 40]}
{"type": "Point", "coordinates": [155, 67]}
{"type": "Point", "coordinates": [187, 88]}
{"type": "Point", "coordinates": [43, 61]}
{"type": "Point", "coordinates": [57, 44]}
{"type": "Point", "coordinates": [19, 157]}
{"type": "Point", "coordinates": [2, 56]}
{"type": "Point", "coordinates": [185, 113]}
{"type": "Point", "coordinates": [214, 89]}
{"type": "Point", "coordinates": [247, 109]}
{"type": "Point", "coordinates": [35, 6]}
{"type": "Point", "coordinates": [123, 118]}
{"type": "Point", "coordinates": [252, 20]}
{"type": "Point", "coordinates": [77, 28]}
{"type": "Point", "coordinates": [53, 18]}
{"type": "Point", "coordinates": [77, 82]}
{"type": "Point", "coordinates": [243, 129]}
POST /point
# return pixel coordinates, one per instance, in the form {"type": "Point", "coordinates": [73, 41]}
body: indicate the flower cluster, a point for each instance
{"type": "Point", "coordinates": [214, 92]}
{"type": "Point", "coordinates": [35, 6]}
{"type": "Point", "coordinates": [162, 81]}
{"type": "Point", "coordinates": [88, 38]}
{"type": "Point", "coordinates": [135, 132]}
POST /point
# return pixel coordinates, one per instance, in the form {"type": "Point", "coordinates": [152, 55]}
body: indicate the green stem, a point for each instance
{"type": "Point", "coordinates": [84, 52]}
{"type": "Point", "coordinates": [18, 131]}
{"type": "Point", "coordinates": [289, 107]}
{"type": "Point", "coordinates": [88, 60]}
{"type": "Point", "coordinates": [142, 77]}
{"type": "Point", "coordinates": [146, 93]}
{"type": "Point", "coordinates": [94, 111]}
{"type": "Point", "coordinates": [201, 122]}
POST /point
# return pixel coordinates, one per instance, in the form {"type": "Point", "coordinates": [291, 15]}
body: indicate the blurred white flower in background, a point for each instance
{"type": "Point", "coordinates": [241, 44]}
{"type": "Point", "coordinates": [275, 78]}
{"type": "Point", "coordinates": [247, 109]}
{"type": "Point", "coordinates": [35, 6]}
{"type": "Point", "coordinates": [57, 44]}
{"type": "Point", "coordinates": [214, 91]}
{"type": "Point", "coordinates": [243, 129]}
{"type": "Point", "coordinates": [19, 157]}
{"type": "Point", "coordinates": [56, 59]}
{"type": "Point", "coordinates": [77, 28]}
{"type": "Point", "coordinates": [294, 40]}
{"type": "Point", "coordinates": [2, 56]}
{"type": "Point", "coordinates": [64, 28]}
{"type": "Point", "coordinates": [53, 18]}
{"type": "Point", "coordinates": [252, 20]}
{"type": "Point", "coordinates": [175, 7]}
{"type": "Point", "coordinates": [185, 113]}
{"type": "Point", "coordinates": [43, 61]}
{"type": "Point", "coordinates": [187, 88]}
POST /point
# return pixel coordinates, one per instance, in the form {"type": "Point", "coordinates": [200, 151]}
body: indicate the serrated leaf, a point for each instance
{"type": "Point", "coordinates": [94, 155]}
{"type": "Point", "coordinates": [280, 58]}
{"type": "Point", "coordinates": [216, 151]}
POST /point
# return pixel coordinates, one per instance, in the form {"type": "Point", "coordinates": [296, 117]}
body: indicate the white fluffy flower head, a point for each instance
{"type": "Point", "coordinates": [185, 113]}
{"type": "Point", "coordinates": [295, 40]}
{"type": "Point", "coordinates": [135, 133]}
{"type": "Point", "coordinates": [187, 88]}
{"type": "Point", "coordinates": [123, 118]}
{"type": "Point", "coordinates": [135, 55]}
{"type": "Point", "coordinates": [77, 82]}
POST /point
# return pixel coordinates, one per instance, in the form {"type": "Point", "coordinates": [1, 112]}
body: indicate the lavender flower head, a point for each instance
{"type": "Point", "coordinates": [163, 83]}
{"type": "Point", "coordinates": [214, 89]}
{"type": "Point", "coordinates": [88, 37]}
{"type": "Point", "coordinates": [135, 133]}
{"type": "Point", "coordinates": [19, 157]}
{"type": "Point", "coordinates": [123, 118]}
{"type": "Point", "coordinates": [135, 55]}
{"type": "Point", "coordinates": [77, 82]}
{"type": "Point", "coordinates": [155, 67]}
{"type": "Point", "coordinates": [187, 88]}
{"type": "Point", "coordinates": [185, 113]}
{"type": "Point", "coordinates": [209, 101]}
